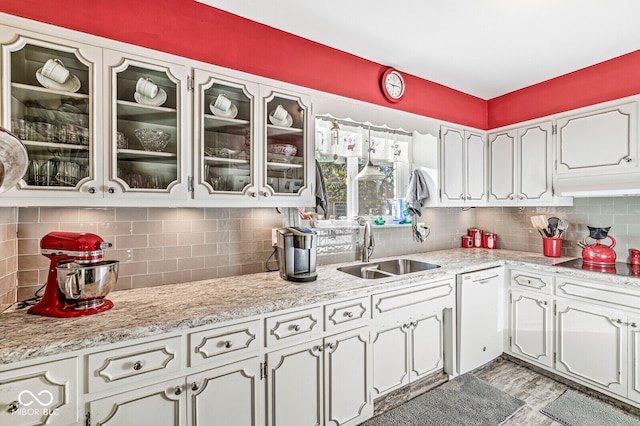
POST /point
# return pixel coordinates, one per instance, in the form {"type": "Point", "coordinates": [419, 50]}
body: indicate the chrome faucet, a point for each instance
{"type": "Point", "coordinates": [369, 243]}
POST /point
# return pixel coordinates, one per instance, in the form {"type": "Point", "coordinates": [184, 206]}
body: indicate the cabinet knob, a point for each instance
{"type": "Point", "coordinates": [319, 348]}
{"type": "Point", "coordinates": [194, 386]}
{"type": "Point", "coordinates": [228, 344]}
{"type": "Point", "coordinates": [511, 197]}
{"type": "Point", "coordinates": [137, 365]}
{"type": "Point", "coordinates": [405, 326]}
{"type": "Point", "coordinates": [520, 197]}
{"type": "Point", "coordinates": [13, 407]}
{"type": "Point", "coordinates": [619, 321]}
{"type": "Point", "coordinates": [295, 327]}
{"type": "Point", "coordinates": [112, 190]}
{"type": "Point", "coordinates": [253, 195]}
{"type": "Point", "coordinates": [266, 194]}
{"type": "Point", "coordinates": [462, 197]}
{"type": "Point", "coordinates": [92, 190]}
{"type": "Point", "coordinates": [628, 159]}
{"type": "Point", "coordinates": [348, 314]}
{"type": "Point", "coordinates": [331, 346]}
{"type": "Point", "coordinates": [633, 324]}
{"type": "Point", "coordinates": [178, 390]}
{"type": "Point", "coordinates": [468, 197]}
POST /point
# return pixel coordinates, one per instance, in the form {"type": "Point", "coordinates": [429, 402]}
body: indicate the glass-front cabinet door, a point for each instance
{"type": "Point", "coordinates": [224, 138]}
{"type": "Point", "coordinates": [148, 116]}
{"type": "Point", "coordinates": [48, 102]}
{"type": "Point", "coordinates": [287, 156]}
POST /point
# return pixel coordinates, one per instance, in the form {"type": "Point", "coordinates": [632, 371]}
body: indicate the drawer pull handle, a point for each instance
{"type": "Point", "coordinates": [228, 344]}
{"type": "Point", "coordinates": [348, 314]}
{"type": "Point", "coordinates": [178, 390]}
{"type": "Point", "coordinates": [137, 365]}
{"type": "Point", "coordinates": [295, 327]}
{"type": "Point", "coordinates": [13, 407]}
{"type": "Point", "coordinates": [194, 386]}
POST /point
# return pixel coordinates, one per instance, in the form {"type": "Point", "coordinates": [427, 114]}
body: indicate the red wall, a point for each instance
{"type": "Point", "coordinates": [606, 81]}
{"type": "Point", "coordinates": [190, 29]}
{"type": "Point", "coordinates": [193, 30]}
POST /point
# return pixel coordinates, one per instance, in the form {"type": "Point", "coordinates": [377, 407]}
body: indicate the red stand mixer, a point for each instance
{"type": "Point", "coordinates": [598, 253]}
{"type": "Point", "coordinates": [78, 278]}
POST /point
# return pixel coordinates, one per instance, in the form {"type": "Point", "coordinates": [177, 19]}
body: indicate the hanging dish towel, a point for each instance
{"type": "Point", "coordinates": [417, 192]}
{"type": "Point", "coordinates": [321, 190]}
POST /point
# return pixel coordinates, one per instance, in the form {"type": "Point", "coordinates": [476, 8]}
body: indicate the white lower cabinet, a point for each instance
{"type": "Point", "coordinates": [298, 375]}
{"type": "Point", "coordinates": [40, 394]}
{"type": "Point", "coordinates": [162, 404]}
{"type": "Point", "coordinates": [226, 396]}
{"type": "Point", "coordinates": [405, 351]}
{"type": "Point", "coordinates": [592, 344]}
{"type": "Point", "coordinates": [634, 359]}
{"type": "Point", "coordinates": [531, 333]}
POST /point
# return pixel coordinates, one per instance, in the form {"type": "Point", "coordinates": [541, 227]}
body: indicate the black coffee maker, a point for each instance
{"type": "Point", "coordinates": [297, 249]}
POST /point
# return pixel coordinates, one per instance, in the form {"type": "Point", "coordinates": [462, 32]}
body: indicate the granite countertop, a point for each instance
{"type": "Point", "coordinates": [153, 311]}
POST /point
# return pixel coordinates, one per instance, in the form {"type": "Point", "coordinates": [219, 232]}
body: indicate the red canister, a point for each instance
{"type": "Point", "coordinates": [489, 240]}
{"type": "Point", "coordinates": [467, 241]}
{"type": "Point", "coordinates": [476, 236]}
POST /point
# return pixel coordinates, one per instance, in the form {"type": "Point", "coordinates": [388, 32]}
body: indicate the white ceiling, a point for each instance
{"type": "Point", "coordinates": [482, 47]}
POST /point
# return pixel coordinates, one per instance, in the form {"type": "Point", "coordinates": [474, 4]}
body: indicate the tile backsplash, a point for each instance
{"type": "Point", "coordinates": [159, 246]}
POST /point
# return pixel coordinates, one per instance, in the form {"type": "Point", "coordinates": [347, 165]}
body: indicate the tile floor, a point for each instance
{"type": "Point", "coordinates": [521, 382]}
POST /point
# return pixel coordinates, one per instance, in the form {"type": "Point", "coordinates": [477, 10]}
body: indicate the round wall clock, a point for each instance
{"type": "Point", "coordinates": [392, 85]}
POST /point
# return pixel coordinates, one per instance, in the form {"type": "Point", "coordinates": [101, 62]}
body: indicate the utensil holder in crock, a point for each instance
{"type": "Point", "coordinates": [552, 247]}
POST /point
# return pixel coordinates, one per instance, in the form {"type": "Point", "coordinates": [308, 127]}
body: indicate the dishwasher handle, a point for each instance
{"type": "Point", "coordinates": [484, 279]}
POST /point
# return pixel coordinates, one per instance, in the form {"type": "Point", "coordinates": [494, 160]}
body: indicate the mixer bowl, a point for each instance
{"type": "Point", "coordinates": [87, 282]}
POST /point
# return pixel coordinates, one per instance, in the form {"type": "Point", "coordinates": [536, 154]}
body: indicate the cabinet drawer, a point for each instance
{"type": "Point", "coordinates": [531, 281]}
{"type": "Point", "coordinates": [351, 313]}
{"type": "Point", "coordinates": [294, 326]}
{"type": "Point", "coordinates": [598, 292]}
{"type": "Point", "coordinates": [414, 297]}
{"type": "Point", "coordinates": [125, 365]}
{"type": "Point", "coordinates": [223, 342]}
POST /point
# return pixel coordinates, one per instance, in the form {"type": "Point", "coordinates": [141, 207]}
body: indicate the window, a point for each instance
{"type": "Point", "coordinates": [345, 150]}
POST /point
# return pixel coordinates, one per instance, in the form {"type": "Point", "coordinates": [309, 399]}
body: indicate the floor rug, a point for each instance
{"type": "Point", "coordinates": [577, 409]}
{"type": "Point", "coordinates": [463, 401]}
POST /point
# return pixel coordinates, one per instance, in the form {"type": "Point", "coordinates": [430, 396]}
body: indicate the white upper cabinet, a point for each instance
{"type": "Point", "coordinates": [597, 151]}
{"type": "Point", "coordinates": [520, 163]}
{"type": "Point", "coordinates": [226, 159]}
{"type": "Point", "coordinates": [57, 122]}
{"type": "Point", "coordinates": [463, 162]}
{"type": "Point", "coordinates": [145, 143]}
{"type": "Point", "coordinates": [287, 171]}
{"type": "Point", "coordinates": [84, 137]}
{"type": "Point", "coordinates": [601, 141]}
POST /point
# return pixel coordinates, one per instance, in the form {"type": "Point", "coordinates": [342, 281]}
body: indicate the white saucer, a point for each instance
{"type": "Point", "coordinates": [71, 85]}
{"type": "Point", "coordinates": [286, 123]}
{"type": "Point", "coordinates": [233, 111]}
{"type": "Point", "coordinates": [158, 100]}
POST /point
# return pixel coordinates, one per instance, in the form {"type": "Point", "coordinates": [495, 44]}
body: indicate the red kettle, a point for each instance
{"type": "Point", "coordinates": [599, 253]}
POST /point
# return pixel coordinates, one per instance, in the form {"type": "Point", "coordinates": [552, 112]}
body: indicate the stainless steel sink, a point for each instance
{"type": "Point", "coordinates": [388, 268]}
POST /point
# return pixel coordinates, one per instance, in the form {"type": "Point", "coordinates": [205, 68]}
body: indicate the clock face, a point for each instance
{"type": "Point", "coordinates": [393, 85]}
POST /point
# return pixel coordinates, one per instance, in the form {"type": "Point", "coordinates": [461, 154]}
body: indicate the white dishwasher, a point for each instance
{"type": "Point", "coordinates": [479, 310]}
